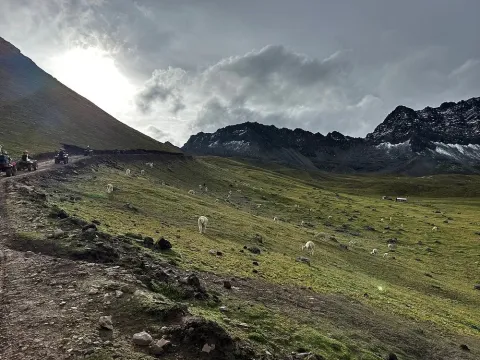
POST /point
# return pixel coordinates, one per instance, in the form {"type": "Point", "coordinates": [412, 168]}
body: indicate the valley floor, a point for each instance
{"type": "Point", "coordinates": [417, 302]}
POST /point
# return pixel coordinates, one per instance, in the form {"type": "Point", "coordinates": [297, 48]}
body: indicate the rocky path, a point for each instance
{"type": "Point", "coordinates": [43, 300]}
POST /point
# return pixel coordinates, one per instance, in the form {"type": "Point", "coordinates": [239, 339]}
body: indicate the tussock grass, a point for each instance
{"type": "Point", "coordinates": [429, 283]}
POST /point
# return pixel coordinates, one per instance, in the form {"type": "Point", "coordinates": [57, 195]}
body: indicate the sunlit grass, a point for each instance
{"type": "Point", "coordinates": [445, 298]}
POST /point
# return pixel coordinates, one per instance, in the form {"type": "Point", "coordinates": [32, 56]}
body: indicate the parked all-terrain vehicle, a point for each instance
{"type": "Point", "coordinates": [61, 157]}
{"type": "Point", "coordinates": [28, 164]}
{"type": "Point", "coordinates": [87, 152]}
{"type": "Point", "coordinates": [7, 166]}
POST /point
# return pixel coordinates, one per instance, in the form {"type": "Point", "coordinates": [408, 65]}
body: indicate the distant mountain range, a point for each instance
{"type": "Point", "coordinates": [433, 140]}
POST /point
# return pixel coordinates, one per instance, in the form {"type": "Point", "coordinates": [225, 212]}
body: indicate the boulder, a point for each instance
{"type": "Point", "coordinates": [142, 339]}
{"type": "Point", "coordinates": [58, 233]}
{"type": "Point", "coordinates": [160, 346]}
{"type": "Point", "coordinates": [89, 234]}
{"type": "Point", "coordinates": [163, 244]}
{"type": "Point", "coordinates": [62, 214]}
{"type": "Point", "coordinates": [207, 348]}
{"type": "Point", "coordinates": [148, 242]}
{"type": "Point", "coordinates": [227, 284]}
{"type": "Point", "coordinates": [193, 281]}
{"type": "Point", "coordinates": [89, 226]}
{"type": "Point", "coordinates": [105, 322]}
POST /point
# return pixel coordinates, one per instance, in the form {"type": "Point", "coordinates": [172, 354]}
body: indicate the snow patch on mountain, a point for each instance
{"type": "Point", "coordinates": [457, 151]}
{"type": "Point", "coordinates": [389, 146]}
{"type": "Point", "coordinates": [236, 145]}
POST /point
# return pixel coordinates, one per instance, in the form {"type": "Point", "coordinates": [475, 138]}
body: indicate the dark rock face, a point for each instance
{"type": "Point", "coordinates": [432, 140]}
{"type": "Point", "coordinates": [163, 244]}
{"type": "Point", "coordinates": [450, 123]}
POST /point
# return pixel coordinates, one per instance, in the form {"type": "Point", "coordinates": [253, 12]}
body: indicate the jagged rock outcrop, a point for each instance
{"type": "Point", "coordinates": [432, 140]}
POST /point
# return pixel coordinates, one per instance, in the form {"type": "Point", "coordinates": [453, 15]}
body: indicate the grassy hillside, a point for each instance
{"type": "Point", "coordinates": [419, 301]}
{"type": "Point", "coordinates": [39, 113]}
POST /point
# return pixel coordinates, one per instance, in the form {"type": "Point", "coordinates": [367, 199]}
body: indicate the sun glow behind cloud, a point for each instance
{"type": "Point", "coordinates": [93, 74]}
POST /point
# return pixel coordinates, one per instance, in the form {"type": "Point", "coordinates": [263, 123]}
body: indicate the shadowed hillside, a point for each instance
{"type": "Point", "coordinates": [38, 112]}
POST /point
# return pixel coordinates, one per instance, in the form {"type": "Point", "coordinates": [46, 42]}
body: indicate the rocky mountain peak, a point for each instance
{"type": "Point", "coordinates": [446, 137]}
{"type": "Point", "coordinates": [450, 123]}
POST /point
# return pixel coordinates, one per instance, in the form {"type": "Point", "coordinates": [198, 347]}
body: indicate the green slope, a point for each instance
{"type": "Point", "coordinates": [39, 113]}
{"type": "Point", "coordinates": [418, 302]}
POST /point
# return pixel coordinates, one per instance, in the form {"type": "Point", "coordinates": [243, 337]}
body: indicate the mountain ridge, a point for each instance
{"type": "Point", "coordinates": [40, 113]}
{"type": "Point", "coordinates": [443, 139]}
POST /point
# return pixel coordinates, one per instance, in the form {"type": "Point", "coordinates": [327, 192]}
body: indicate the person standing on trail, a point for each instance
{"type": "Point", "coordinates": [25, 156]}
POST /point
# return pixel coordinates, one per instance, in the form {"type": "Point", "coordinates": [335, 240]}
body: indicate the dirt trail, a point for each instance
{"type": "Point", "coordinates": [42, 299]}
{"type": "Point", "coordinates": [42, 167]}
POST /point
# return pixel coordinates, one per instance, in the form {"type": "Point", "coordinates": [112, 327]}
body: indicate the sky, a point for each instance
{"type": "Point", "coordinates": [172, 68]}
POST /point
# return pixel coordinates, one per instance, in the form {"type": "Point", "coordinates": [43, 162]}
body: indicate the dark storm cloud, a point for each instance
{"type": "Point", "coordinates": [319, 65]}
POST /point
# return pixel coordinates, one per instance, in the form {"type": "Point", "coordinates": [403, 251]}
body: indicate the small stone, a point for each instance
{"type": "Point", "coordinates": [464, 347]}
{"type": "Point", "coordinates": [118, 293]}
{"type": "Point", "coordinates": [142, 339]}
{"type": "Point", "coordinates": [223, 309]}
{"type": "Point", "coordinates": [255, 271]}
{"type": "Point", "coordinates": [227, 284]}
{"type": "Point", "coordinates": [219, 253]}
{"type": "Point", "coordinates": [392, 356]}
{"type": "Point", "coordinates": [208, 348]}
{"type": "Point", "coordinates": [244, 325]}
{"type": "Point", "coordinates": [476, 286]}
{"type": "Point", "coordinates": [255, 263]}
{"type": "Point", "coordinates": [212, 252]}
{"type": "Point", "coordinates": [29, 254]}
{"type": "Point", "coordinates": [159, 346]}
{"type": "Point", "coordinates": [93, 291]}
{"type": "Point", "coordinates": [105, 322]}
{"type": "Point", "coordinates": [57, 233]}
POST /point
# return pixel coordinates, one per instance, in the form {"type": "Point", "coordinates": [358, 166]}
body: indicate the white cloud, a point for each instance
{"type": "Point", "coordinates": [180, 65]}
{"type": "Point", "coordinates": [270, 85]}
